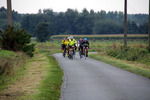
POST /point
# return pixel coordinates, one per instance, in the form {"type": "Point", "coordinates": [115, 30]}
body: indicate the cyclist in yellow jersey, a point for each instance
{"type": "Point", "coordinates": [67, 46]}
{"type": "Point", "coordinates": [63, 44]}
{"type": "Point", "coordinates": [72, 43]}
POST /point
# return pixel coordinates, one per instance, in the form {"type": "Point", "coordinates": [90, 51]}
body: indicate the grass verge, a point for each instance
{"type": "Point", "coordinates": [134, 68]}
{"type": "Point", "coordinates": [50, 86]}
{"type": "Point", "coordinates": [15, 69]}
{"type": "Point", "coordinates": [6, 54]}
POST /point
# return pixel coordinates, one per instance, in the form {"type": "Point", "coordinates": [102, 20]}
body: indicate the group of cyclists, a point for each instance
{"type": "Point", "coordinates": [70, 44]}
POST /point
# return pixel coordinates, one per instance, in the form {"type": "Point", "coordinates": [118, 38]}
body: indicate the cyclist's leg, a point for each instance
{"type": "Point", "coordinates": [83, 49]}
{"type": "Point", "coordinates": [75, 47]}
{"type": "Point", "coordinates": [70, 49]}
{"type": "Point", "coordinates": [66, 50]}
{"type": "Point", "coordinates": [63, 48]}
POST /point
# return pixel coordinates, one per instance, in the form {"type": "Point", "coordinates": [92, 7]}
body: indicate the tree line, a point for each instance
{"type": "Point", "coordinates": [79, 23]}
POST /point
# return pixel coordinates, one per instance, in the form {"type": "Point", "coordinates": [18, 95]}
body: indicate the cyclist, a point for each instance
{"type": "Point", "coordinates": [85, 44]}
{"type": "Point", "coordinates": [80, 46]}
{"type": "Point", "coordinates": [63, 44]}
{"type": "Point", "coordinates": [72, 43]}
{"type": "Point", "coordinates": [67, 46]}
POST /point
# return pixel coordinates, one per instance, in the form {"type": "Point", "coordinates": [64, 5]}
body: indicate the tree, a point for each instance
{"type": "Point", "coordinates": [70, 16]}
{"type": "Point", "coordinates": [29, 22]}
{"type": "Point", "coordinates": [42, 32]}
{"type": "Point", "coordinates": [143, 29]}
{"type": "Point", "coordinates": [107, 27]}
{"type": "Point", "coordinates": [16, 40]}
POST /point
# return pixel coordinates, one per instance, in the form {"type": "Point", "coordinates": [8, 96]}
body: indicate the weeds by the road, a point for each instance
{"type": "Point", "coordinates": [40, 79]}
{"type": "Point", "coordinates": [50, 86]}
{"type": "Point", "coordinates": [11, 67]}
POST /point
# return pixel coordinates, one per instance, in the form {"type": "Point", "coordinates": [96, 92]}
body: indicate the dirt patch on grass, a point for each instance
{"type": "Point", "coordinates": [28, 83]}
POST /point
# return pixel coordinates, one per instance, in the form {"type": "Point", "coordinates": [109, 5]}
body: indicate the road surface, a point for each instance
{"type": "Point", "coordinates": [94, 80]}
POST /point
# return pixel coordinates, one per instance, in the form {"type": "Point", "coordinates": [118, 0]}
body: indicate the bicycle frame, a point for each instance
{"type": "Point", "coordinates": [85, 51]}
{"type": "Point", "coordinates": [71, 50]}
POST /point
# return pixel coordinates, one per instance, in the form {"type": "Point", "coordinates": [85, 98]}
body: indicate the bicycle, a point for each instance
{"type": "Point", "coordinates": [80, 53]}
{"type": "Point", "coordinates": [85, 47]}
{"type": "Point", "coordinates": [64, 52]}
{"type": "Point", "coordinates": [71, 55]}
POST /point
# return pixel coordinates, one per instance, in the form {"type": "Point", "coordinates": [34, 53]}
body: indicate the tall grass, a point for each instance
{"type": "Point", "coordinates": [12, 64]}
{"type": "Point", "coordinates": [6, 54]}
{"type": "Point", "coordinates": [50, 86]}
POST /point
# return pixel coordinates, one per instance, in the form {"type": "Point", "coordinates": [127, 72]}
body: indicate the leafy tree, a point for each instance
{"type": "Point", "coordinates": [132, 27]}
{"type": "Point", "coordinates": [143, 29]}
{"type": "Point", "coordinates": [42, 32]}
{"type": "Point", "coordinates": [16, 40]}
{"type": "Point", "coordinates": [74, 22]}
{"type": "Point", "coordinates": [29, 22]}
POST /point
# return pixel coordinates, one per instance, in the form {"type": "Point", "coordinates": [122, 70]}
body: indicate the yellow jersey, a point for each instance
{"type": "Point", "coordinates": [71, 43]}
{"type": "Point", "coordinates": [65, 42]}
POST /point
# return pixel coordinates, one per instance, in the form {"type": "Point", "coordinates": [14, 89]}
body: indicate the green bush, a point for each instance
{"type": "Point", "coordinates": [16, 40]}
{"type": "Point", "coordinates": [130, 54]}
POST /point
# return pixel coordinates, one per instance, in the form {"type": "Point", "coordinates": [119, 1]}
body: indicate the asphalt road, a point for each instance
{"type": "Point", "coordinates": [94, 80]}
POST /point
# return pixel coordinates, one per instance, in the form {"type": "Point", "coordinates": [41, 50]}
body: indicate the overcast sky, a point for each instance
{"type": "Point", "coordinates": [32, 6]}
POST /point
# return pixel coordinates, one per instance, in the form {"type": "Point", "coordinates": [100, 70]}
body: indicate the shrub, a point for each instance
{"type": "Point", "coordinates": [16, 40]}
{"type": "Point", "coordinates": [130, 54]}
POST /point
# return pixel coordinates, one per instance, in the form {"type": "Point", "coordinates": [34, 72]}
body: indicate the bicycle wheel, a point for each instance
{"type": "Point", "coordinates": [85, 53]}
{"type": "Point", "coordinates": [64, 52]}
{"type": "Point", "coordinates": [72, 54]}
{"type": "Point", "coordinates": [80, 53]}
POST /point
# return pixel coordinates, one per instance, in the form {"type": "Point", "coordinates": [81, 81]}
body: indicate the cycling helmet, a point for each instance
{"type": "Point", "coordinates": [85, 39]}
{"type": "Point", "coordinates": [71, 37]}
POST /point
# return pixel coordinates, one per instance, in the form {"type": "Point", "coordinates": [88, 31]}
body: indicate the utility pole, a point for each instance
{"type": "Point", "coordinates": [9, 13]}
{"type": "Point", "coordinates": [125, 24]}
{"type": "Point", "coordinates": [149, 28]}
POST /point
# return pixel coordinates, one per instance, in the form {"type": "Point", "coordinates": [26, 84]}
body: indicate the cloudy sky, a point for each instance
{"type": "Point", "coordinates": [32, 6]}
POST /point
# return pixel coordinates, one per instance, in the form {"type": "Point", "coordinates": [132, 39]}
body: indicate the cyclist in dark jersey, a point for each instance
{"type": "Point", "coordinates": [85, 44]}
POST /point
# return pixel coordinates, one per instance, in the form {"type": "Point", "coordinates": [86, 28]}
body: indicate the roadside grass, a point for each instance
{"type": "Point", "coordinates": [15, 69]}
{"type": "Point", "coordinates": [49, 87]}
{"type": "Point", "coordinates": [6, 53]}
{"type": "Point", "coordinates": [135, 59]}
{"type": "Point", "coordinates": [133, 67]}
